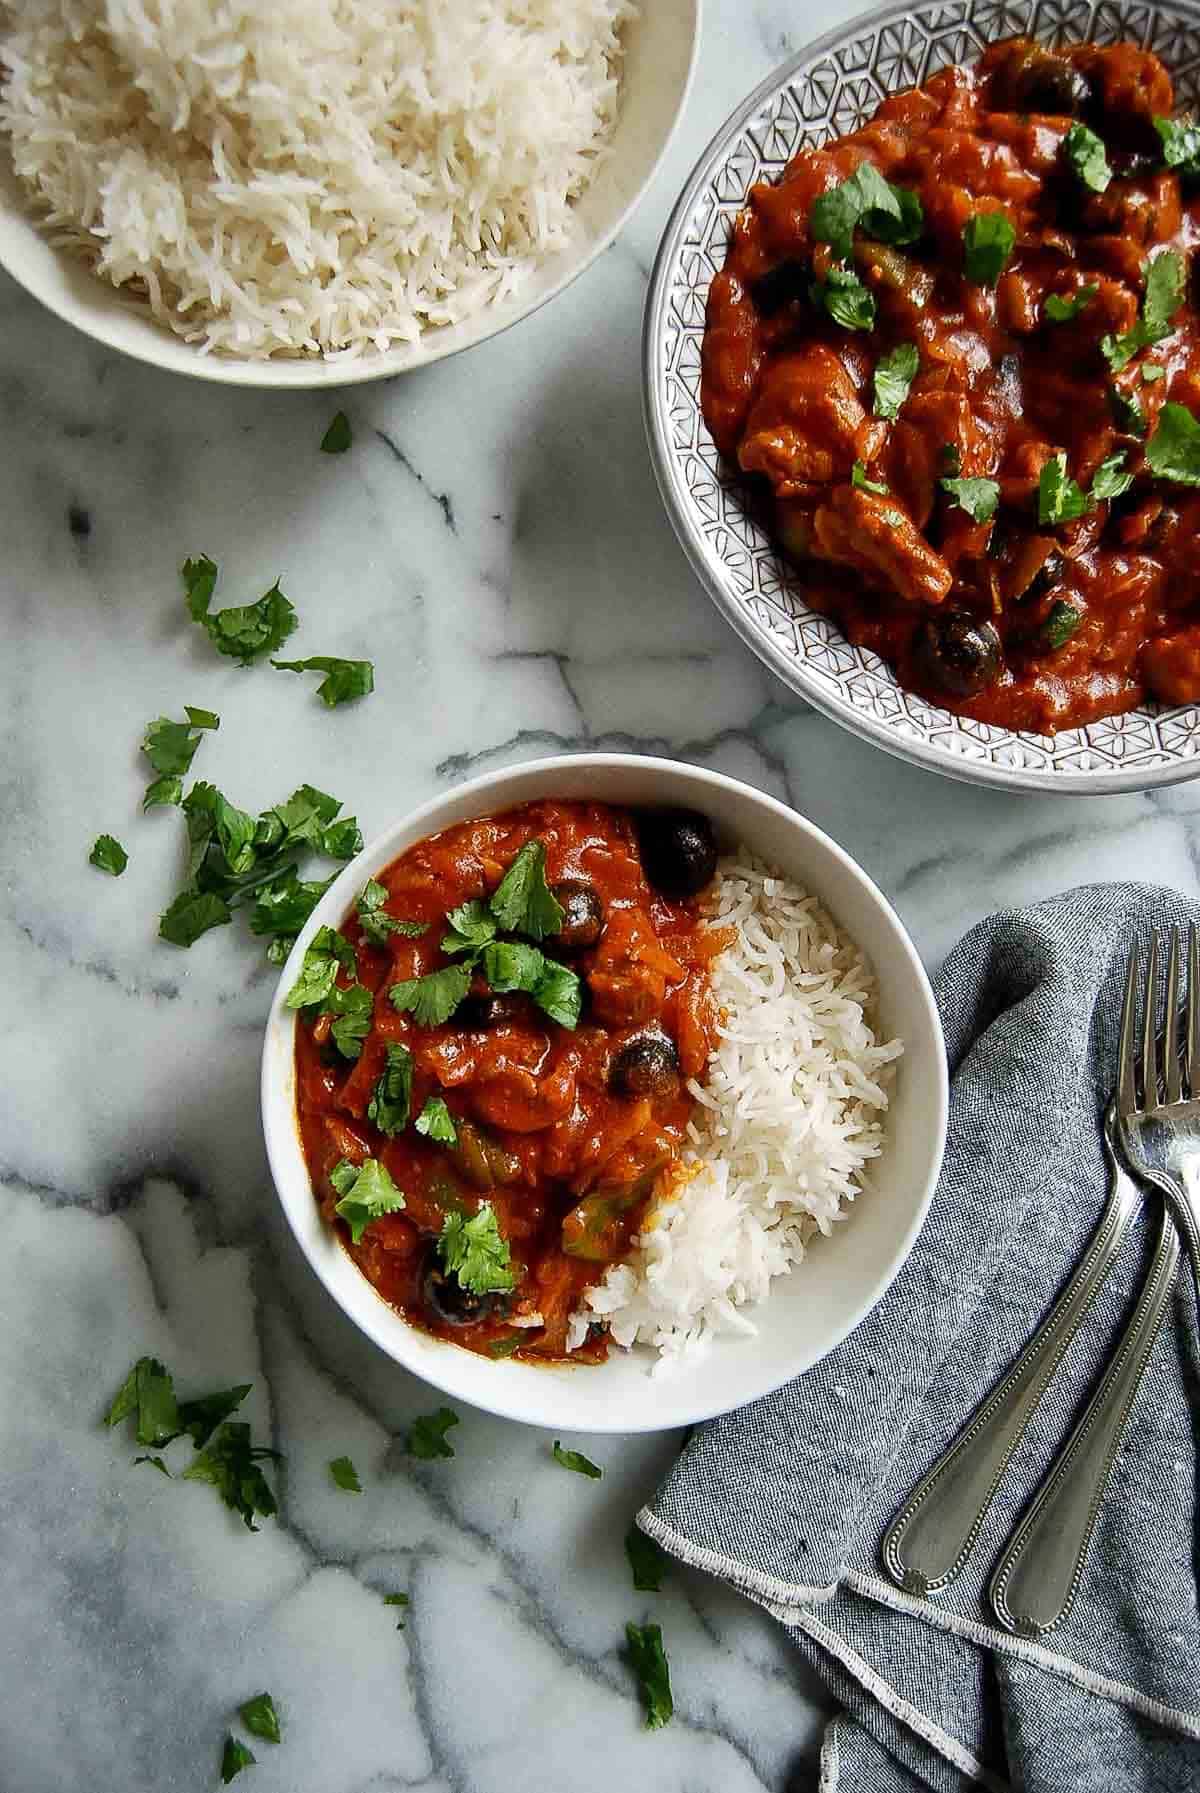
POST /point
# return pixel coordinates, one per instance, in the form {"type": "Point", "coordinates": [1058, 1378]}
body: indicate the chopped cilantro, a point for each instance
{"type": "Point", "coordinates": [978, 497]}
{"type": "Point", "coordinates": [868, 202]}
{"type": "Point", "coordinates": [285, 904]}
{"type": "Point", "coordinates": [1061, 622]}
{"type": "Point", "coordinates": [200, 1417]}
{"type": "Point", "coordinates": [858, 479]}
{"type": "Point", "coordinates": [432, 999]}
{"type": "Point", "coordinates": [1152, 372]}
{"type": "Point", "coordinates": [648, 1660]}
{"type": "Point", "coordinates": [210, 816]}
{"type": "Point", "coordinates": [338, 436]}
{"type": "Point", "coordinates": [559, 994]}
{"type": "Point", "coordinates": [352, 1009]}
{"type": "Point", "coordinates": [327, 951]}
{"type": "Point", "coordinates": [1061, 309]}
{"type": "Point", "coordinates": [475, 1251]}
{"type": "Point", "coordinates": [374, 920]}
{"type": "Point", "coordinates": [507, 1346]}
{"type": "Point", "coordinates": [230, 1462]}
{"type": "Point", "coordinates": [341, 840]}
{"type": "Point", "coordinates": [436, 1122]}
{"type": "Point", "coordinates": [577, 1461]}
{"type": "Point", "coordinates": [245, 631]}
{"type": "Point", "coordinates": [234, 1757]}
{"type": "Point", "coordinates": [471, 927]}
{"type": "Point", "coordinates": [1181, 143]}
{"type": "Point", "coordinates": [647, 1561]}
{"type": "Point", "coordinates": [345, 1475]}
{"type": "Point", "coordinates": [260, 1718]}
{"type": "Point", "coordinates": [1060, 499]}
{"type": "Point", "coordinates": [845, 298]}
{"type": "Point", "coordinates": [1110, 478]}
{"type": "Point", "coordinates": [1087, 155]}
{"type": "Point", "coordinates": [1165, 280]}
{"type": "Point", "coordinates": [199, 583]}
{"type": "Point", "coordinates": [171, 746]}
{"type": "Point", "coordinates": [397, 1600]}
{"type": "Point", "coordinates": [988, 241]}
{"type": "Point", "coordinates": [167, 790]}
{"type": "Point", "coordinates": [427, 1435]}
{"type": "Point", "coordinates": [344, 679]}
{"type": "Point", "coordinates": [156, 1461]}
{"type": "Point", "coordinates": [193, 913]}
{"type": "Point", "coordinates": [391, 1099]}
{"type": "Point", "coordinates": [511, 965]}
{"type": "Point", "coordinates": [149, 1393]}
{"type": "Point", "coordinates": [894, 375]}
{"type": "Point", "coordinates": [950, 460]}
{"type": "Point", "coordinates": [108, 855]}
{"type": "Point", "coordinates": [522, 902]}
{"type": "Point", "coordinates": [1127, 412]}
{"type": "Point", "coordinates": [1173, 451]}
{"type": "Point", "coordinates": [367, 1193]}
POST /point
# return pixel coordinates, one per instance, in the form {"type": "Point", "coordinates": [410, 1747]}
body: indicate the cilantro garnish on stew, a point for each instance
{"type": "Point", "coordinates": [108, 855]}
{"type": "Point", "coordinates": [859, 479]}
{"type": "Point", "coordinates": [345, 1475]}
{"type": "Point", "coordinates": [894, 375]}
{"type": "Point", "coordinates": [865, 201]}
{"type": "Point", "coordinates": [1060, 498]}
{"type": "Point", "coordinates": [1166, 278]}
{"type": "Point", "coordinates": [344, 680]}
{"type": "Point", "coordinates": [432, 999]}
{"type": "Point", "coordinates": [473, 1249]}
{"type": "Point", "coordinates": [367, 1193]}
{"type": "Point", "coordinates": [1181, 143]}
{"type": "Point", "coordinates": [978, 497]}
{"type": "Point", "coordinates": [261, 1719]}
{"type": "Point", "coordinates": [1173, 451]}
{"type": "Point", "coordinates": [1060, 309]}
{"type": "Point", "coordinates": [436, 1122]}
{"type": "Point", "coordinates": [523, 902]}
{"type": "Point", "coordinates": [1088, 157]}
{"type": "Point", "coordinates": [848, 302]}
{"type": "Point", "coordinates": [391, 1099]}
{"type": "Point", "coordinates": [427, 1435]}
{"type": "Point", "coordinates": [376, 923]}
{"type": "Point", "coordinates": [648, 1660]}
{"type": "Point", "coordinates": [988, 242]}
{"type": "Point", "coordinates": [1110, 478]}
{"type": "Point", "coordinates": [575, 1460]}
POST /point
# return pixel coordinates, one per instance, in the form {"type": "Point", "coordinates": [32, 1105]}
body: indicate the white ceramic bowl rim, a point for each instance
{"type": "Point", "coordinates": [965, 760]}
{"type": "Point", "coordinates": [65, 286]}
{"type": "Point", "coordinates": [533, 1394]}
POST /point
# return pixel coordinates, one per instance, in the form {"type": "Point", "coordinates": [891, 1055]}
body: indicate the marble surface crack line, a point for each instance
{"type": "Point", "coordinates": [562, 663]}
{"type": "Point", "coordinates": [441, 499]}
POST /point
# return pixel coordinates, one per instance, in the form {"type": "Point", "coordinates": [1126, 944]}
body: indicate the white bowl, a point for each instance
{"type": "Point", "coordinates": [808, 1312]}
{"type": "Point", "coordinates": [660, 57]}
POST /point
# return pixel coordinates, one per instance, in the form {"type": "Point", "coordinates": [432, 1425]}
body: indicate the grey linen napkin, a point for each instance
{"type": "Point", "coordinates": [788, 1499]}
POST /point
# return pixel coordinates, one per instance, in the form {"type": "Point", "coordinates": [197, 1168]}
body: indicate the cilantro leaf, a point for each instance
{"type": "Point", "coordinates": [303, 817]}
{"type": "Point", "coordinates": [522, 902]}
{"type": "Point", "coordinates": [157, 1462]}
{"type": "Point", "coordinates": [345, 1475]}
{"type": "Point", "coordinates": [648, 1660]}
{"type": "Point", "coordinates": [1110, 479]}
{"type": "Point", "coordinates": [427, 1435]}
{"type": "Point", "coordinates": [260, 1718]}
{"type": "Point", "coordinates": [1181, 143]}
{"type": "Point", "coordinates": [398, 1600]}
{"type": "Point", "coordinates": [559, 994]}
{"type": "Point", "coordinates": [577, 1461]}
{"type": "Point", "coordinates": [171, 746]}
{"type": "Point", "coordinates": [475, 1251]}
{"type": "Point", "coordinates": [367, 1193]}
{"type": "Point", "coordinates": [285, 904]}
{"type": "Point", "coordinates": [200, 1417]}
{"type": "Point", "coordinates": [353, 1009]}
{"type": "Point", "coordinates": [391, 1099]}
{"type": "Point", "coordinates": [199, 583]}
{"type": "Point", "coordinates": [149, 1393]}
{"type": "Point", "coordinates": [1165, 280]}
{"type": "Point", "coordinates": [865, 200]}
{"type": "Point", "coordinates": [318, 975]}
{"type": "Point", "coordinates": [1060, 308]}
{"type": "Point", "coordinates": [894, 374]}
{"type": "Point", "coordinates": [212, 817]}
{"type": "Point", "coordinates": [230, 1462]}
{"type": "Point", "coordinates": [646, 1560]}
{"type": "Point", "coordinates": [988, 241]}
{"type": "Point", "coordinates": [858, 479]}
{"type": "Point", "coordinates": [436, 1122]}
{"type": "Point", "coordinates": [511, 965]}
{"type": "Point", "coordinates": [1061, 623]}
{"type": "Point", "coordinates": [506, 1347]}
{"type": "Point", "coordinates": [168, 790]}
{"type": "Point", "coordinates": [235, 1756]}
{"type": "Point", "coordinates": [1127, 411]}
{"type": "Point", "coordinates": [245, 631]}
{"type": "Point", "coordinates": [471, 926]}
{"type": "Point", "coordinates": [845, 298]}
{"type": "Point", "coordinates": [344, 679]}
{"type": "Point", "coordinates": [193, 913]}
{"type": "Point", "coordinates": [108, 855]}
{"type": "Point", "coordinates": [338, 436]}
{"type": "Point", "coordinates": [1152, 372]}
{"type": "Point", "coordinates": [1173, 451]}
{"type": "Point", "coordinates": [1088, 157]}
{"type": "Point", "coordinates": [341, 840]}
{"type": "Point", "coordinates": [374, 921]}
{"type": "Point", "coordinates": [904, 225]}
{"type": "Point", "coordinates": [1060, 499]}
{"type": "Point", "coordinates": [432, 999]}
{"type": "Point", "coordinates": [978, 497]}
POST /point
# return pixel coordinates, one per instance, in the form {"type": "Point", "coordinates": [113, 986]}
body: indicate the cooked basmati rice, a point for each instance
{"type": "Point", "coordinates": [789, 1116]}
{"type": "Point", "coordinates": [313, 176]}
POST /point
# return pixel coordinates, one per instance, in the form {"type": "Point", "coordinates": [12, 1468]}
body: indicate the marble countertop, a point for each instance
{"type": "Point", "coordinates": [495, 542]}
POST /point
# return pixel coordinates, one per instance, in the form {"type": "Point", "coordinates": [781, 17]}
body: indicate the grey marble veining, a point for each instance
{"type": "Point", "coordinates": [494, 541]}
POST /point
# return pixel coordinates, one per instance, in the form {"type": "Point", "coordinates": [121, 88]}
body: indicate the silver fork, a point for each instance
{"type": "Point", "coordinates": [1036, 1580]}
{"type": "Point", "coordinates": [1161, 1133]}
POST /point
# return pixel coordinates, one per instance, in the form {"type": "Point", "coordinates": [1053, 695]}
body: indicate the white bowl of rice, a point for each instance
{"type": "Point", "coordinates": [816, 1141]}
{"type": "Point", "coordinates": [324, 191]}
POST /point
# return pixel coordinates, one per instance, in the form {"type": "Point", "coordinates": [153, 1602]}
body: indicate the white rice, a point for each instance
{"type": "Point", "coordinates": [313, 176]}
{"type": "Point", "coordinates": [790, 1115]}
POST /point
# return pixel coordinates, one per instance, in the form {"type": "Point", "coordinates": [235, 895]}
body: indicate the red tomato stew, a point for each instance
{"type": "Point", "coordinates": [958, 352]}
{"type": "Point", "coordinates": [492, 1055]}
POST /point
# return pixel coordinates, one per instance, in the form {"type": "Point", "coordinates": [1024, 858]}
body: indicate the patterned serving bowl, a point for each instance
{"type": "Point", "coordinates": [829, 89]}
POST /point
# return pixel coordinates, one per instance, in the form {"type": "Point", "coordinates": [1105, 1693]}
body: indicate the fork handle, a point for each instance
{"type": "Point", "coordinates": [1037, 1578]}
{"type": "Point", "coordinates": [933, 1535]}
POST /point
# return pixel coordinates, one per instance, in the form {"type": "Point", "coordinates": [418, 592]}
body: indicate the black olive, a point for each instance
{"type": "Point", "coordinates": [489, 1010]}
{"type": "Point", "coordinates": [679, 851]}
{"type": "Point", "coordinates": [645, 1066]}
{"type": "Point", "coordinates": [956, 654]}
{"type": "Point", "coordinates": [781, 284]}
{"type": "Point", "coordinates": [448, 1301]}
{"type": "Point", "coordinates": [1051, 84]}
{"type": "Point", "coordinates": [583, 916]}
{"type": "Point", "coordinates": [1048, 575]}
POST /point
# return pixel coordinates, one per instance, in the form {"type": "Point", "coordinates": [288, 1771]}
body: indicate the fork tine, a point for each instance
{"type": "Point", "coordinates": [1171, 1072]}
{"type": "Point", "coordinates": [1193, 1012]}
{"type": "Point", "coordinates": [1126, 1080]}
{"type": "Point", "coordinates": [1149, 1014]}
